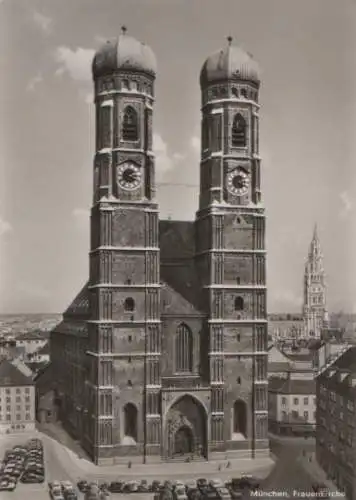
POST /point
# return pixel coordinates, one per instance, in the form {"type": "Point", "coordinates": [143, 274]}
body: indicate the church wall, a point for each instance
{"type": "Point", "coordinates": [238, 338]}
{"type": "Point", "coordinates": [128, 267]}
{"type": "Point", "coordinates": [243, 271]}
{"type": "Point", "coordinates": [124, 374]}
{"type": "Point", "coordinates": [118, 302]}
{"type": "Point", "coordinates": [238, 385]}
{"type": "Point", "coordinates": [237, 235]}
{"type": "Point", "coordinates": [133, 220]}
{"type": "Point", "coordinates": [128, 339]}
{"type": "Point", "coordinates": [229, 305]}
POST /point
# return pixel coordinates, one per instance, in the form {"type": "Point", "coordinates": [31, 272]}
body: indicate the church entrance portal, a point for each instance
{"type": "Point", "coordinates": [183, 441]}
{"type": "Point", "coordinates": [186, 429]}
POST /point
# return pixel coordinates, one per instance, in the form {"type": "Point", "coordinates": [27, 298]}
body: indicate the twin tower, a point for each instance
{"type": "Point", "coordinates": [163, 354]}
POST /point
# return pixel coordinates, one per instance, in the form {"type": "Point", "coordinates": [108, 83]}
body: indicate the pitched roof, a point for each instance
{"type": "Point", "coordinates": [11, 376]}
{"type": "Point", "coordinates": [34, 335]}
{"type": "Point", "coordinates": [22, 367]}
{"type": "Point", "coordinates": [178, 270]}
{"type": "Point", "coordinates": [45, 349]}
{"type": "Point", "coordinates": [80, 306]}
{"type": "Point", "coordinates": [278, 366]}
{"type": "Point", "coordinates": [344, 365]}
{"type": "Point", "coordinates": [292, 386]}
{"type": "Point", "coordinates": [300, 357]}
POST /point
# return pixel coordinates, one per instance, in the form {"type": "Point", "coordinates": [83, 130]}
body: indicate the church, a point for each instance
{"type": "Point", "coordinates": [163, 354]}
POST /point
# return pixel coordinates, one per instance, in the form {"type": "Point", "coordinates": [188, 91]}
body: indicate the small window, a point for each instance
{"type": "Point", "coordinates": [306, 415]}
{"type": "Point", "coordinates": [18, 416]}
{"type": "Point", "coordinates": [130, 125]}
{"type": "Point", "coordinates": [129, 359]}
{"type": "Point", "coordinates": [129, 338]}
{"type": "Point", "coordinates": [129, 304]}
{"type": "Point", "coordinates": [129, 383]}
{"type": "Point", "coordinates": [306, 400]}
{"type": "Point", "coordinates": [239, 304]}
{"type": "Point", "coordinates": [238, 220]}
{"type": "Point", "coordinates": [284, 401]}
{"type": "Point", "coordinates": [238, 280]}
{"type": "Point", "coordinates": [235, 92]}
{"type": "Point", "coordinates": [238, 337]}
{"type": "Point", "coordinates": [296, 401]}
{"type": "Point", "coordinates": [18, 391]}
{"type": "Point", "coordinates": [243, 93]}
{"type": "Point", "coordinates": [239, 131]}
{"type": "Point", "coordinates": [28, 416]}
{"type": "Point", "coordinates": [8, 416]}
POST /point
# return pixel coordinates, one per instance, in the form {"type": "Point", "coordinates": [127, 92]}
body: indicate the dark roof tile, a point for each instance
{"type": "Point", "coordinates": [294, 386]}
{"type": "Point", "coordinates": [11, 376]}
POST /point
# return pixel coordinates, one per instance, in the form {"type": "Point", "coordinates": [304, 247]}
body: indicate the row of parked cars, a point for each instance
{"type": "Point", "coordinates": [63, 490]}
{"type": "Point", "coordinates": [200, 489]}
{"type": "Point", "coordinates": [22, 463]}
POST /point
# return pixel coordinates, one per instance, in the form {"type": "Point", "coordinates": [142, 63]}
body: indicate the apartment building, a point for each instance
{"type": "Point", "coordinates": [292, 406]}
{"type": "Point", "coordinates": [17, 399]}
{"type": "Point", "coordinates": [336, 421]}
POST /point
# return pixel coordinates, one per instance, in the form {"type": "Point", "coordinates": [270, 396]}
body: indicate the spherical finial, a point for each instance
{"type": "Point", "coordinates": [123, 30]}
{"type": "Point", "coordinates": [229, 39]}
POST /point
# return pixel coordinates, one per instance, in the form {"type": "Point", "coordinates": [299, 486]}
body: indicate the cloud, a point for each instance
{"type": "Point", "coordinates": [5, 227]}
{"type": "Point", "coordinates": [177, 157]}
{"type": "Point", "coordinates": [347, 204]}
{"type": "Point", "coordinates": [34, 82]}
{"type": "Point", "coordinates": [100, 39]}
{"type": "Point", "coordinates": [195, 143]}
{"type": "Point", "coordinates": [87, 96]}
{"type": "Point", "coordinates": [164, 161]}
{"type": "Point", "coordinates": [81, 213]}
{"type": "Point", "coordinates": [76, 63]}
{"type": "Point", "coordinates": [43, 22]}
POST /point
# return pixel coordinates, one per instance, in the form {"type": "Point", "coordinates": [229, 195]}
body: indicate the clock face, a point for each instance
{"type": "Point", "coordinates": [238, 182]}
{"type": "Point", "coordinates": [129, 176]}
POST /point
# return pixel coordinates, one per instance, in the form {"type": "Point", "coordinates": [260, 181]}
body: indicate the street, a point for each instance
{"type": "Point", "coordinates": [289, 476]}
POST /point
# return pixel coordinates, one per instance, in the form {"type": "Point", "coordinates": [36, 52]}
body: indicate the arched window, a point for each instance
{"type": "Point", "coordinates": [239, 304]}
{"type": "Point", "coordinates": [130, 421]}
{"type": "Point", "coordinates": [239, 131]}
{"type": "Point", "coordinates": [129, 304]}
{"type": "Point", "coordinates": [240, 418]}
{"type": "Point", "coordinates": [130, 125]}
{"type": "Point", "coordinates": [183, 349]}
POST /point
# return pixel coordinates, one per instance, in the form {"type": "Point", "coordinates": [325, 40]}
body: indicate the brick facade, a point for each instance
{"type": "Point", "coordinates": [160, 289]}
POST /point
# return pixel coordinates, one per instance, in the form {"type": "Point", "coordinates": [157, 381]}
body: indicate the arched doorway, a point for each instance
{"type": "Point", "coordinates": [130, 421]}
{"type": "Point", "coordinates": [239, 423]}
{"type": "Point", "coordinates": [183, 441]}
{"type": "Point", "coordinates": [186, 429]}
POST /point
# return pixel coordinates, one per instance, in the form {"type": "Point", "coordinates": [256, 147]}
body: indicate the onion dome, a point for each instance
{"type": "Point", "coordinates": [124, 53]}
{"type": "Point", "coordinates": [229, 63]}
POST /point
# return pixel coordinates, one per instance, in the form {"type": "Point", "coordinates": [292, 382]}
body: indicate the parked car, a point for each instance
{"type": "Point", "coordinates": [143, 486]}
{"type": "Point", "coordinates": [7, 485]}
{"type": "Point", "coordinates": [131, 487]}
{"type": "Point", "coordinates": [223, 493]}
{"type": "Point", "coordinates": [117, 487]}
{"type": "Point", "coordinates": [82, 486]}
{"type": "Point", "coordinates": [179, 493]}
